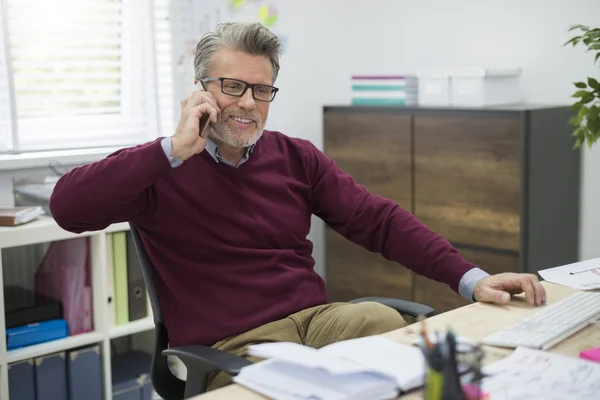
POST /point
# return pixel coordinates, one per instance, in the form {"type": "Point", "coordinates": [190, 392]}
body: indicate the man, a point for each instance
{"type": "Point", "coordinates": [225, 215]}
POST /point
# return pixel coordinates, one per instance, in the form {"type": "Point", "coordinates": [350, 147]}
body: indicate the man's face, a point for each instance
{"type": "Point", "coordinates": [242, 119]}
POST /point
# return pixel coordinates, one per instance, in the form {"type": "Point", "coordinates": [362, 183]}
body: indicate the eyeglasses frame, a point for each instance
{"type": "Point", "coordinates": [247, 86]}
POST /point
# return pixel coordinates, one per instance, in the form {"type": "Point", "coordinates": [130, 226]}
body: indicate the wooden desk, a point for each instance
{"type": "Point", "coordinates": [474, 321]}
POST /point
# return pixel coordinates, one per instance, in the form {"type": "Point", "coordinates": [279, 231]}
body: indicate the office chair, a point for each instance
{"type": "Point", "coordinates": [201, 361]}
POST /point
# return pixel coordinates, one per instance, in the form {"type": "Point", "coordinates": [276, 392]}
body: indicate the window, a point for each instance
{"type": "Point", "coordinates": [84, 73]}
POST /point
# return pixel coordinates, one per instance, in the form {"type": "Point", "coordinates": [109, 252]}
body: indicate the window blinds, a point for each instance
{"type": "Point", "coordinates": [7, 118]}
{"type": "Point", "coordinates": [89, 73]}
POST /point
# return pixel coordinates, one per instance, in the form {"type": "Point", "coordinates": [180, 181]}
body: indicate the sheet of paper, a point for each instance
{"type": "Point", "coordinates": [534, 374]}
{"type": "Point", "coordinates": [584, 275]}
{"type": "Point", "coordinates": [306, 356]}
{"type": "Point", "coordinates": [405, 363]}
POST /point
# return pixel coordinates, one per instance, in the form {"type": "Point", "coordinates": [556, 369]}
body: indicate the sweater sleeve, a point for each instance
{"type": "Point", "coordinates": [380, 225]}
{"type": "Point", "coordinates": [115, 189]}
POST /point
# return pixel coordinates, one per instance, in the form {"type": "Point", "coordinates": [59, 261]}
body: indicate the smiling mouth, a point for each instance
{"type": "Point", "coordinates": [242, 120]}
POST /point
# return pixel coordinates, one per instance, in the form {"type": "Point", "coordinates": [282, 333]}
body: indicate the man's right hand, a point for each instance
{"type": "Point", "coordinates": [187, 140]}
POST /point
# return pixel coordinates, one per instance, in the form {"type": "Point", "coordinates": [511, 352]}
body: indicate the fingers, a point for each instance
{"type": "Point", "coordinates": [540, 292]}
{"type": "Point", "coordinates": [206, 108]}
{"type": "Point", "coordinates": [534, 291]}
{"type": "Point", "coordinates": [491, 295]}
{"type": "Point", "coordinates": [200, 97]}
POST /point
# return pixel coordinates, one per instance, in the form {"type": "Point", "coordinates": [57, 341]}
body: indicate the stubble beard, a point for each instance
{"type": "Point", "coordinates": [237, 138]}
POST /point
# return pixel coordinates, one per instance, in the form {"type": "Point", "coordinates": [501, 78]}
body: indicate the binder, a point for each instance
{"type": "Point", "coordinates": [120, 273]}
{"type": "Point", "coordinates": [51, 377]}
{"type": "Point", "coordinates": [135, 283]}
{"type": "Point", "coordinates": [131, 376]}
{"type": "Point", "coordinates": [84, 369]}
{"type": "Point", "coordinates": [21, 380]}
{"type": "Point", "coordinates": [110, 282]}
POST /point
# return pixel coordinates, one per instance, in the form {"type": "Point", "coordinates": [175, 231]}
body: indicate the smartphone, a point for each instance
{"type": "Point", "coordinates": [204, 124]}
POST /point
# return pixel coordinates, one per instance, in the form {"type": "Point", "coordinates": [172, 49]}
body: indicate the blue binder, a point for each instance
{"type": "Point", "coordinates": [84, 370]}
{"type": "Point", "coordinates": [131, 376]}
{"type": "Point", "coordinates": [51, 377]}
{"type": "Point", "coordinates": [21, 380]}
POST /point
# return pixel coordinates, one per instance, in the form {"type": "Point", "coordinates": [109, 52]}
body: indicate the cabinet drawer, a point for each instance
{"type": "Point", "coordinates": [442, 298]}
{"type": "Point", "coordinates": [467, 178]}
{"type": "Point", "coordinates": [375, 149]}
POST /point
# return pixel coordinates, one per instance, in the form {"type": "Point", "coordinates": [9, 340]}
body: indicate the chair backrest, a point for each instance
{"type": "Point", "coordinates": [167, 385]}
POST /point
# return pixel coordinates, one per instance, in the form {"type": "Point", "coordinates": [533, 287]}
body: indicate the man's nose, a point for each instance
{"type": "Point", "coordinates": [247, 100]}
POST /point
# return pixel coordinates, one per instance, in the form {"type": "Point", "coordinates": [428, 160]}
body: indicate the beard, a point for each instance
{"type": "Point", "coordinates": [237, 137]}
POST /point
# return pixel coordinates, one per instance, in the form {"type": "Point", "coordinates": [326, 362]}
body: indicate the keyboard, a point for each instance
{"type": "Point", "coordinates": [551, 324]}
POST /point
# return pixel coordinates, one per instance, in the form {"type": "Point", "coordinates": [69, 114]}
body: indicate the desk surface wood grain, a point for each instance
{"type": "Point", "coordinates": [474, 321]}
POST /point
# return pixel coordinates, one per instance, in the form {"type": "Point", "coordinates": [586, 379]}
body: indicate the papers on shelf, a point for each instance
{"type": "Point", "coordinates": [535, 374]}
{"type": "Point", "coordinates": [584, 275]}
{"type": "Point", "coordinates": [366, 368]}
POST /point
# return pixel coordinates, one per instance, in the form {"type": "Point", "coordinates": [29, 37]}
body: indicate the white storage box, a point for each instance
{"type": "Point", "coordinates": [479, 87]}
{"type": "Point", "coordinates": [434, 87]}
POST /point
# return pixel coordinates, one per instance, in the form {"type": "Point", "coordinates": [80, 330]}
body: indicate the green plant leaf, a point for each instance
{"type": "Point", "coordinates": [575, 121]}
{"type": "Point", "coordinates": [593, 83]}
{"type": "Point", "coordinates": [597, 57]}
{"type": "Point", "coordinates": [573, 40]}
{"type": "Point", "coordinates": [581, 93]}
{"type": "Point", "coordinates": [579, 26]}
{"type": "Point", "coordinates": [595, 46]}
{"type": "Point", "coordinates": [580, 85]}
{"type": "Point", "coordinates": [588, 98]}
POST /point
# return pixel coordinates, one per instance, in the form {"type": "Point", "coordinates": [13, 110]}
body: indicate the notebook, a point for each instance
{"type": "Point", "coordinates": [12, 216]}
{"type": "Point", "coordinates": [366, 368]}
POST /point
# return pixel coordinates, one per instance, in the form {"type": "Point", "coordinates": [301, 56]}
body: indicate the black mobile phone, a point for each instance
{"type": "Point", "coordinates": [204, 124]}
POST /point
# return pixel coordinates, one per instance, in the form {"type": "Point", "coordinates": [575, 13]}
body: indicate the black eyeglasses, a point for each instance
{"type": "Point", "coordinates": [235, 87]}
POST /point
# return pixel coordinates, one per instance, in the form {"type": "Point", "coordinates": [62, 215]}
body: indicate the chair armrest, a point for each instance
{"type": "Point", "coordinates": [207, 358]}
{"type": "Point", "coordinates": [402, 306]}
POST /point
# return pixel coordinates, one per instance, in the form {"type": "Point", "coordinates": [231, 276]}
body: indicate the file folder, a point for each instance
{"type": "Point", "coordinates": [136, 287]}
{"type": "Point", "coordinates": [21, 380]}
{"type": "Point", "coordinates": [51, 377]}
{"type": "Point", "coordinates": [120, 274]}
{"type": "Point", "coordinates": [84, 369]}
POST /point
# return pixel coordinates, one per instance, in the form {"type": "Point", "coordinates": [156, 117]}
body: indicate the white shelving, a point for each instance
{"type": "Point", "coordinates": [46, 230]}
{"type": "Point", "coordinates": [131, 328]}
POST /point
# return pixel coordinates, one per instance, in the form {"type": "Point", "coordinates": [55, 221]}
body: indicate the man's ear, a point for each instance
{"type": "Point", "coordinates": [195, 81]}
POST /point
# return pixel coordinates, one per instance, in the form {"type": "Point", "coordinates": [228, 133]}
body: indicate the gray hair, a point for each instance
{"type": "Point", "coordinates": [250, 37]}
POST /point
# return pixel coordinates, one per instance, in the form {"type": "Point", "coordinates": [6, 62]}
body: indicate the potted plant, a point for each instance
{"type": "Point", "coordinates": [587, 120]}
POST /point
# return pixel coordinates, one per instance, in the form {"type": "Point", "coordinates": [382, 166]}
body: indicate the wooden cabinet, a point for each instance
{"type": "Point", "coordinates": [501, 184]}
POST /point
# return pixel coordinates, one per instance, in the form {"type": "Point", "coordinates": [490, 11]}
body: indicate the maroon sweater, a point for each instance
{"type": "Point", "coordinates": [230, 245]}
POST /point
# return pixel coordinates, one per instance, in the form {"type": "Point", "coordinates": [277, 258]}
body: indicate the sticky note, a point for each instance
{"type": "Point", "coordinates": [591, 354]}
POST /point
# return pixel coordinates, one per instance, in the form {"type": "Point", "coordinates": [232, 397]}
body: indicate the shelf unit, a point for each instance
{"type": "Point", "coordinates": [45, 230]}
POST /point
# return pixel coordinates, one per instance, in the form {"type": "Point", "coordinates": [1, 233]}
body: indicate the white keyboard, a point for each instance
{"type": "Point", "coordinates": [551, 324]}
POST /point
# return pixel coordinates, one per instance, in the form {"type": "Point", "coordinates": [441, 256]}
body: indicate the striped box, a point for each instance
{"type": "Point", "coordinates": [377, 90]}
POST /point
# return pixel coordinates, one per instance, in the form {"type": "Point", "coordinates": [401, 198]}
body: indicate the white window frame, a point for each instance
{"type": "Point", "coordinates": [27, 159]}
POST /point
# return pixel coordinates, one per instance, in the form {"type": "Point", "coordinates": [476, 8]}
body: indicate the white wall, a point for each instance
{"type": "Point", "coordinates": [328, 40]}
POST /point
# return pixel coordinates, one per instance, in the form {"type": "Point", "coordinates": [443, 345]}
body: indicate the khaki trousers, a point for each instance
{"type": "Point", "coordinates": [314, 327]}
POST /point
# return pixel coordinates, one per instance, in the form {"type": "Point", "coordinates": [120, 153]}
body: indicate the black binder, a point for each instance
{"type": "Point", "coordinates": [136, 287]}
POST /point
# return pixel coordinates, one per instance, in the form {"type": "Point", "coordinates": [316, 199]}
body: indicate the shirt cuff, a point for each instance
{"type": "Point", "coordinates": [467, 283]}
{"type": "Point", "coordinates": [166, 146]}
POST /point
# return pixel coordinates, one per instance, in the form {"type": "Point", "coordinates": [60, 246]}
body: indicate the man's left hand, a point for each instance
{"type": "Point", "coordinates": [499, 288]}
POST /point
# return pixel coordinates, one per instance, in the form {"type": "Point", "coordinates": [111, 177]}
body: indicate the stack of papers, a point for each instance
{"type": "Point", "coordinates": [367, 368]}
{"type": "Point", "coordinates": [535, 374]}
